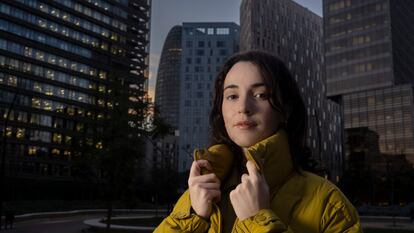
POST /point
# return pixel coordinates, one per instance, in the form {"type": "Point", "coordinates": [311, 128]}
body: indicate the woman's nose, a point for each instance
{"type": "Point", "coordinates": [245, 106]}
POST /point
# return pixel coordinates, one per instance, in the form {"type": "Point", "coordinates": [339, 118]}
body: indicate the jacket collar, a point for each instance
{"type": "Point", "coordinates": [272, 156]}
{"type": "Point", "coordinates": [274, 160]}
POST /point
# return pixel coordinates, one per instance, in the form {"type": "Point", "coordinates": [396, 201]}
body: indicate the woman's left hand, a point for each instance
{"type": "Point", "coordinates": [251, 195]}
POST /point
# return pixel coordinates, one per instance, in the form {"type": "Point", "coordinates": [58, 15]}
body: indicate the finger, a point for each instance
{"type": "Point", "coordinates": [213, 195]}
{"type": "Point", "coordinates": [210, 186]}
{"type": "Point", "coordinates": [208, 178]}
{"type": "Point", "coordinates": [251, 169]}
{"type": "Point", "coordinates": [197, 165]}
{"type": "Point", "coordinates": [244, 178]}
{"type": "Point", "coordinates": [233, 197]}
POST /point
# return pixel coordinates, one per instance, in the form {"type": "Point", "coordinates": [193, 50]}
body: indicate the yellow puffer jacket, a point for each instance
{"type": "Point", "coordinates": [299, 202]}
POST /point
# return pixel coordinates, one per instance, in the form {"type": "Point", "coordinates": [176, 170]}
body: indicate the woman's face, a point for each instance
{"type": "Point", "coordinates": [248, 115]}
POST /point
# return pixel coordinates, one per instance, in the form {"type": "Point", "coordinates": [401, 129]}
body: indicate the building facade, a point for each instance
{"type": "Point", "coordinates": [294, 33]}
{"type": "Point", "coordinates": [55, 58]}
{"type": "Point", "coordinates": [369, 68]}
{"type": "Point", "coordinates": [205, 48]}
{"type": "Point", "coordinates": [163, 154]}
{"type": "Point", "coordinates": [167, 88]}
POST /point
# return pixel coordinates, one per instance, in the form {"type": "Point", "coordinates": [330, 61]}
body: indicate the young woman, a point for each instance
{"type": "Point", "coordinates": [253, 178]}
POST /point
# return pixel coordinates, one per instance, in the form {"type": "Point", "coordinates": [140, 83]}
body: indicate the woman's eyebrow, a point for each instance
{"type": "Point", "coordinates": [259, 85]}
{"type": "Point", "coordinates": [255, 85]}
{"type": "Point", "coordinates": [231, 86]}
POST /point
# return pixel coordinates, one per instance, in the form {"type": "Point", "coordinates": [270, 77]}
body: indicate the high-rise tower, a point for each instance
{"type": "Point", "coordinates": [205, 48]}
{"type": "Point", "coordinates": [55, 57]}
{"type": "Point", "coordinates": [292, 32]}
{"type": "Point", "coordinates": [369, 57]}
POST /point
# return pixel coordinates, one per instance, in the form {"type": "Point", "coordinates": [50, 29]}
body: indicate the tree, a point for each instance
{"type": "Point", "coordinates": [120, 146]}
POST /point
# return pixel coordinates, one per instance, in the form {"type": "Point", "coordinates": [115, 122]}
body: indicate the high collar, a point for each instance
{"type": "Point", "coordinates": [272, 155]}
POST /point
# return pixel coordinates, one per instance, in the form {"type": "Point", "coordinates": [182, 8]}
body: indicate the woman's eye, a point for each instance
{"type": "Point", "coordinates": [231, 97]}
{"type": "Point", "coordinates": [261, 95]}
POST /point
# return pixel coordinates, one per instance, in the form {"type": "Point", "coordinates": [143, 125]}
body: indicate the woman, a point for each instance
{"type": "Point", "coordinates": [253, 179]}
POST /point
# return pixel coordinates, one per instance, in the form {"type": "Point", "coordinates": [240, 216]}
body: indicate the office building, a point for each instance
{"type": "Point", "coordinates": [369, 57]}
{"type": "Point", "coordinates": [294, 33]}
{"type": "Point", "coordinates": [205, 48]}
{"type": "Point", "coordinates": [55, 59]}
{"type": "Point", "coordinates": [164, 153]}
{"type": "Point", "coordinates": [167, 88]}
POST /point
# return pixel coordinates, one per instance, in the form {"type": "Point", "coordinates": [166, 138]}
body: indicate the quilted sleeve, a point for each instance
{"type": "Point", "coordinates": [264, 221]}
{"type": "Point", "coordinates": [181, 222]}
{"type": "Point", "coordinates": [340, 215]}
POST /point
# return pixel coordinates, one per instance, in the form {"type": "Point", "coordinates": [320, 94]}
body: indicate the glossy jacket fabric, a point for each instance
{"type": "Point", "coordinates": [299, 202]}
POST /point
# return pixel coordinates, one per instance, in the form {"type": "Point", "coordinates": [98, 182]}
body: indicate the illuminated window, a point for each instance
{"type": "Point", "coordinates": [102, 75]}
{"type": "Point", "coordinates": [79, 126]}
{"type": "Point", "coordinates": [32, 150]}
{"type": "Point", "coordinates": [57, 138]}
{"type": "Point", "coordinates": [47, 105]}
{"type": "Point", "coordinates": [55, 152]}
{"type": "Point", "coordinates": [61, 92]}
{"type": "Point", "coordinates": [67, 153]}
{"type": "Point", "coordinates": [73, 66]}
{"type": "Point", "coordinates": [101, 102]}
{"type": "Point", "coordinates": [104, 46]}
{"type": "Point", "coordinates": [22, 116]}
{"type": "Point", "coordinates": [40, 56]}
{"type": "Point", "coordinates": [60, 108]}
{"type": "Point", "coordinates": [110, 105]}
{"type": "Point", "coordinates": [37, 87]}
{"type": "Point", "coordinates": [68, 139]}
{"type": "Point", "coordinates": [48, 90]}
{"type": "Point", "coordinates": [50, 74]}
{"type": "Point", "coordinates": [12, 80]}
{"type": "Point", "coordinates": [9, 131]}
{"type": "Point", "coordinates": [20, 133]}
{"type": "Point", "coordinates": [99, 145]}
{"type": "Point", "coordinates": [28, 51]}
{"type": "Point", "coordinates": [35, 102]}
{"type": "Point", "coordinates": [70, 111]}
{"type": "Point", "coordinates": [90, 114]}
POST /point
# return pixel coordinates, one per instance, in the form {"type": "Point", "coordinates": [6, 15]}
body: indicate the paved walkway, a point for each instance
{"type": "Point", "coordinates": [387, 225]}
{"type": "Point", "coordinates": [398, 223]}
{"type": "Point", "coordinates": [75, 224]}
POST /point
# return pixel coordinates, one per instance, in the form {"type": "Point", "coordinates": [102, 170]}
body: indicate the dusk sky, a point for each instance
{"type": "Point", "coordinates": [168, 13]}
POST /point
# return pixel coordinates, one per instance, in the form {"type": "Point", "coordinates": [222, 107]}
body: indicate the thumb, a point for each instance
{"type": "Point", "coordinates": [252, 169]}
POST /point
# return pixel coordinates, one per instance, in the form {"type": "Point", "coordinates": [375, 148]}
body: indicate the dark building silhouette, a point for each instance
{"type": "Point", "coordinates": [55, 58]}
{"type": "Point", "coordinates": [163, 154]}
{"type": "Point", "coordinates": [369, 68]}
{"type": "Point", "coordinates": [372, 177]}
{"type": "Point", "coordinates": [167, 89]}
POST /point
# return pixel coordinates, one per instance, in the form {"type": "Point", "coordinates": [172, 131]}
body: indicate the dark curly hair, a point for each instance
{"type": "Point", "coordinates": [285, 98]}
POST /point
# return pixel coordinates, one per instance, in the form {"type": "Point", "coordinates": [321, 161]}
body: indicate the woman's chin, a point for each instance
{"type": "Point", "coordinates": [245, 142]}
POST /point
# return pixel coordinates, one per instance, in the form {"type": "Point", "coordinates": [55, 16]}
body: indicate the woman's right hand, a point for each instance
{"type": "Point", "coordinates": [204, 189]}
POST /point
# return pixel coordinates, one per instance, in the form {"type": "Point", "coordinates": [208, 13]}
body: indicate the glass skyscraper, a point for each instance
{"type": "Point", "coordinates": [369, 57]}
{"type": "Point", "coordinates": [55, 57]}
{"type": "Point", "coordinates": [168, 78]}
{"type": "Point", "coordinates": [205, 48]}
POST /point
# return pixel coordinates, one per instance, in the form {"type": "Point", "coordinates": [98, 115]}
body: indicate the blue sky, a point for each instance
{"type": "Point", "coordinates": [167, 13]}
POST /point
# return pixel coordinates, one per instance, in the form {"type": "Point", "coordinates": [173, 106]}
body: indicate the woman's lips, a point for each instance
{"type": "Point", "coordinates": [245, 124]}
